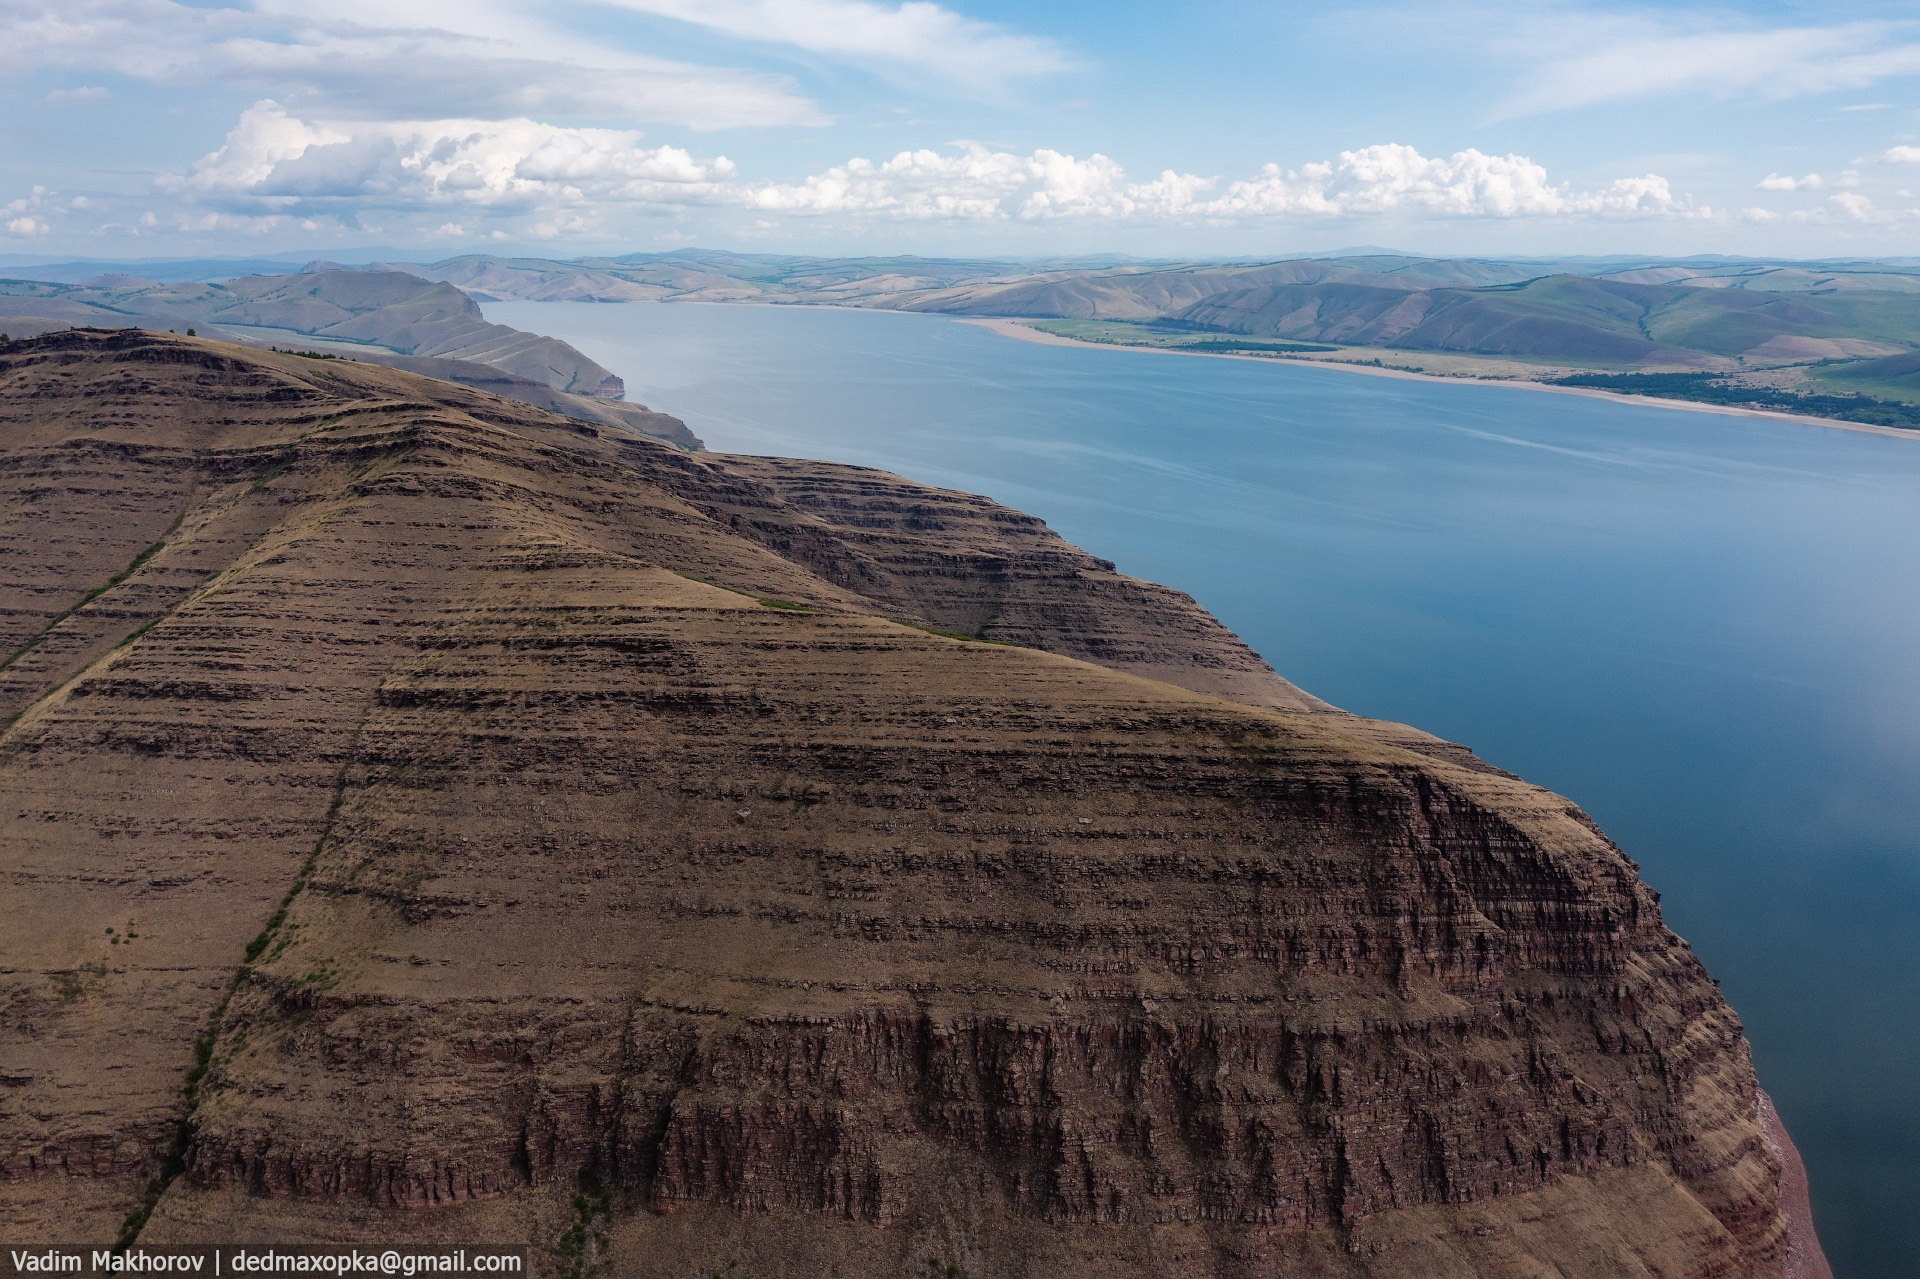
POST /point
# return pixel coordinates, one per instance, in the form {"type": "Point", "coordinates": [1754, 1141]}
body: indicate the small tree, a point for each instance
{"type": "Point", "coordinates": [192, 334]}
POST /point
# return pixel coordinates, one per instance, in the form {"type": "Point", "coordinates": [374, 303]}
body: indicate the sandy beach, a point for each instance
{"type": "Point", "coordinates": [1023, 330]}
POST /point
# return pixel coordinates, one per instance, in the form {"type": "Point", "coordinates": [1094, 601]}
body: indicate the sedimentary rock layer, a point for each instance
{"type": "Point", "coordinates": [427, 817]}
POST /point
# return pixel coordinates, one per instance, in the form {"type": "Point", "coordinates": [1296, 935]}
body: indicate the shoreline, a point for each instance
{"type": "Point", "coordinates": [1021, 330]}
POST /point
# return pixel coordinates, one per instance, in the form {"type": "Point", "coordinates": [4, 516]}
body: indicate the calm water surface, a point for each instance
{"type": "Point", "coordinates": [1702, 628]}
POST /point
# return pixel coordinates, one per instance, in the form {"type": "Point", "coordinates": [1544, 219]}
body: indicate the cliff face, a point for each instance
{"type": "Point", "coordinates": [415, 801]}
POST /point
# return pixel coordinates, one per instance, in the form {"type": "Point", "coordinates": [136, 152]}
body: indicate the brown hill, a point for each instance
{"type": "Point", "coordinates": [415, 802]}
{"type": "Point", "coordinates": [388, 309]}
{"type": "Point", "coordinates": [1647, 318]}
{"type": "Point", "coordinates": [387, 317]}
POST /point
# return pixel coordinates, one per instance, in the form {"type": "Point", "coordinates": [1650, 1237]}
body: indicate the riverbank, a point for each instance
{"type": "Point", "coordinates": [1025, 332]}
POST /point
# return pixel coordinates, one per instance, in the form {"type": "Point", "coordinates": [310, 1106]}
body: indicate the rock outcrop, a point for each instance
{"type": "Point", "coordinates": [427, 817]}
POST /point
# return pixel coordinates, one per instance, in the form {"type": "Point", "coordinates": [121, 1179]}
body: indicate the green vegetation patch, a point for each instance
{"type": "Point", "coordinates": [1169, 337]}
{"type": "Point", "coordinates": [1243, 345]}
{"type": "Point", "coordinates": [1715, 388]}
{"type": "Point", "coordinates": [1893, 377]}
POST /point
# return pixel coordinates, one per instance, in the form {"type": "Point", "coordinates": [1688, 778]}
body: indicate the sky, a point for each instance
{"type": "Point", "coordinates": [137, 129]}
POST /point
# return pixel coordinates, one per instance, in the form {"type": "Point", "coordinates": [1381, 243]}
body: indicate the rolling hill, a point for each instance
{"type": "Point", "coordinates": [384, 317]}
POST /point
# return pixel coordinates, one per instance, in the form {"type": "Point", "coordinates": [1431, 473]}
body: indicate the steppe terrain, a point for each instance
{"type": "Point", "coordinates": [1833, 340]}
{"type": "Point", "coordinates": [431, 817]}
{"type": "Point", "coordinates": [1836, 340]}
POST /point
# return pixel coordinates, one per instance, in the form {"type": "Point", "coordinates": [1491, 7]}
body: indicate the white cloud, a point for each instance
{"type": "Point", "coordinates": [1786, 182]}
{"type": "Point", "coordinates": [1868, 106]}
{"type": "Point", "coordinates": [1854, 207]}
{"type": "Point", "coordinates": [983, 184]}
{"type": "Point", "coordinates": [83, 93]}
{"type": "Point", "coordinates": [276, 160]}
{"type": "Point", "coordinates": [1577, 57]}
{"type": "Point", "coordinates": [1902, 155]}
{"type": "Point", "coordinates": [916, 37]}
{"type": "Point", "coordinates": [392, 58]}
{"type": "Point", "coordinates": [470, 176]}
{"type": "Point", "coordinates": [1845, 208]}
{"type": "Point", "coordinates": [25, 216]}
{"type": "Point", "coordinates": [1470, 183]}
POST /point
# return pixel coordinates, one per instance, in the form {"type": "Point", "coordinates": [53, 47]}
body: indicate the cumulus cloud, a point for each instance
{"type": "Point", "coordinates": [1854, 207]}
{"type": "Point", "coordinates": [1470, 183]}
{"type": "Point", "coordinates": [81, 93]}
{"type": "Point", "coordinates": [1902, 155]}
{"type": "Point", "coordinates": [1786, 182]}
{"type": "Point", "coordinates": [26, 216]}
{"type": "Point", "coordinates": [978, 183]}
{"type": "Point", "coordinates": [565, 180]}
{"type": "Point", "coordinates": [915, 37]}
{"type": "Point", "coordinates": [1846, 208]}
{"type": "Point", "coordinates": [982, 184]}
{"type": "Point", "coordinates": [273, 159]}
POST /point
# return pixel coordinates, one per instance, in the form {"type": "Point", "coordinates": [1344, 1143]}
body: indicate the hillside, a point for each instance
{"type": "Point", "coordinates": [1533, 319]}
{"type": "Point", "coordinates": [694, 275]}
{"type": "Point", "coordinates": [1893, 377]}
{"type": "Point", "coordinates": [386, 317]}
{"type": "Point", "coordinates": [434, 818]}
{"type": "Point", "coordinates": [1561, 320]}
{"type": "Point", "coordinates": [387, 309]}
{"type": "Point", "coordinates": [1775, 328]}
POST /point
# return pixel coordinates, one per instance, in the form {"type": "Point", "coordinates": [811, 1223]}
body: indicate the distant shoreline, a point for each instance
{"type": "Point", "coordinates": [1022, 330]}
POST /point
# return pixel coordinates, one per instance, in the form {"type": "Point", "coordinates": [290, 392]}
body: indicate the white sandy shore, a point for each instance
{"type": "Point", "coordinates": [1024, 331]}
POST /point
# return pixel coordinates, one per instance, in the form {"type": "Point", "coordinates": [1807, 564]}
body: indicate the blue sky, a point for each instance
{"type": "Point", "coordinates": [146, 128]}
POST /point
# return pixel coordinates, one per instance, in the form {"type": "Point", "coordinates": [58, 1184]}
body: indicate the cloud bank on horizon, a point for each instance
{"type": "Point", "coordinates": [149, 127]}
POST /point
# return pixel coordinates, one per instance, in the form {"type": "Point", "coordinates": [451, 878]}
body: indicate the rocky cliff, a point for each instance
{"type": "Point", "coordinates": [427, 817]}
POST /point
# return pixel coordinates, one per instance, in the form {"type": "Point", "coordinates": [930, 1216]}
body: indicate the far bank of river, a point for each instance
{"type": "Point", "coordinates": [1024, 331]}
{"type": "Point", "coordinates": [1700, 626]}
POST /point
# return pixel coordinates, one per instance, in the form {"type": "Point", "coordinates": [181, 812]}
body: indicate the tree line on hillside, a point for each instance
{"type": "Point", "coordinates": [1713, 388]}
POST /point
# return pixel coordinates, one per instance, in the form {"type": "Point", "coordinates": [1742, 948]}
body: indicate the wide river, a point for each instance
{"type": "Point", "coordinates": [1705, 629]}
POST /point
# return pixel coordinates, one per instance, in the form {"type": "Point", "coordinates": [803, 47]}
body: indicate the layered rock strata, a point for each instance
{"type": "Point", "coordinates": [427, 817]}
